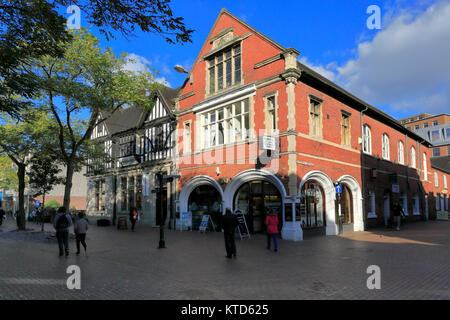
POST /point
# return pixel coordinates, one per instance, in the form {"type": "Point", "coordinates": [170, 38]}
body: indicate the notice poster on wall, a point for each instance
{"type": "Point", "coordinates": [185, 220]}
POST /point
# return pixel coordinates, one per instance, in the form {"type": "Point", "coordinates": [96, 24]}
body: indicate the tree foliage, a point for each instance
{"type": "Point", "coordinates": [124, 16]}
{"type": "Point", "coordinates": [43, 173]}
{"type": "Point", "coordinates": [86, 79]}
{"type": "Point", "coordinates": [28, 29]}
{"type": "Point", "coordinates": [8, 173]}
{"type": "Point", "coordinates": [18, 140]}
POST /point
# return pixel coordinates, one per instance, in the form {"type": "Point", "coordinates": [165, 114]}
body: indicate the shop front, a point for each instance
{"type": "Point", "coordinates": [256, 199]}
{"type": "Point", "coordinates": [205, 200]}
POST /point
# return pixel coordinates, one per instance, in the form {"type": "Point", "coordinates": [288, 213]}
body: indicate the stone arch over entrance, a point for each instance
{"type": "Point", "coordinates": [193, 183]}
{"type": "Point", "coordinates": [353, 185]}
{"type": "Point", "coordinates": [247, 176]}
{"type": "Point", "coordinates": [328, 188]}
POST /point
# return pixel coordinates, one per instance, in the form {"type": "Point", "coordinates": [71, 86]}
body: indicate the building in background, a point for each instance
{"type": "Point", "coordinates": [139, 143]}
{"type": "Point", "coordinates": [435, 129]}
{"type": "Point", "coordinates": [77, 194]}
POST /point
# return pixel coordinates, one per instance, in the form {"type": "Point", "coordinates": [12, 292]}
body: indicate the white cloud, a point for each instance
{"type": "Point", "coordinates": [163, 81]}
{"type": "Point", "coordinates": [137, 63]}
{"type": "Point", "coordinates": [406, 65]}
{"type": "Point", "coordinates": [324, 71]}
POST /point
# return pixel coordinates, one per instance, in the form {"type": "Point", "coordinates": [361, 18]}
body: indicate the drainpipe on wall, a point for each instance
{"type": "Point", "coordinates": [362, 171]}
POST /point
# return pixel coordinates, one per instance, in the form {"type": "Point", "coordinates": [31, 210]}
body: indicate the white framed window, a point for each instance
{"type": "Point", "coordinates": [372, 207]}
{"type": "Point", "coordinates": [315, 117]}
{"type": "Point", "coordinates": [405, 204]}
{"type": "Point", "coordinates": [436, 180]}
{"type": "Point", "coordinates": [367, 139]}
{"type": "Point", "coordinates": [401, 152]}
{"type": "Point", "coordinates": [345, 129]}
{"type": "Point", "coordinates": [271, 114]}
{"type": "Point", "coordinates": [413, 157]}
{"type": "Point", "coordinates": [385, 146]}
{"type": "Point", "coordinates": [225, 125]}
{"type": "Point", "coordinates": [187, 137]}
{"type": "Point", "coordinates": [425, 167]}
{"type": "Point", "coordinates": [224, 69]}
{"type": "Point", "coordinates": [445, 181]}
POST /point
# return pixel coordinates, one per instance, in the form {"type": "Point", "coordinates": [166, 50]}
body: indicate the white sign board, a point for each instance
{"type": "Point", "coordinates": [269, 143]}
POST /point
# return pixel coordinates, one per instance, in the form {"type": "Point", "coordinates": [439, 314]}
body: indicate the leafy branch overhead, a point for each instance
{"type": "Point", "coordinates": [153, 16]}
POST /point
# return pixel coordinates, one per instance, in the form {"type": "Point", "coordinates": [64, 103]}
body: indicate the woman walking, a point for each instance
{"type": "Point", "coordinates": [133, 217]}
{"type": "Point", "coordinates": [80, 228]}
{"type": "Point", "coordinates": [272, 229]}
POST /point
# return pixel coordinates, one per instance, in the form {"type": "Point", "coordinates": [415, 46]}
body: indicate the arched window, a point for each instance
{"type": "Point", "coordinates": [436, 180]}
{"type": "Point", "coordinates": [413, 157]}
{"type": "Point", "coordinates": [425, 167]}
{"type": "Point", "coordinates": [385, 146]}
{"type": "Point", "coordinates": [401, 153]}
{"type": "Point", "coordinates": [367, 139]}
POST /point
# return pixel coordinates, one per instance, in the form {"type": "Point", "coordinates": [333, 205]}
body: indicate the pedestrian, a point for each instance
{"type": "Point", "coordinates": [80, 227]}
{"type": "Point", "coordinates": [133, 217]}
{"type": "Point", "coordinates": [272, 229]}
{"type": "Point", "coordinates": [398, 213]}
{"type": "Point", "coordinates": [229, 224]}
{"type": "Point", "coordinates": [2, 214]}
{"type": "Point", "coordinates": [62, 223]}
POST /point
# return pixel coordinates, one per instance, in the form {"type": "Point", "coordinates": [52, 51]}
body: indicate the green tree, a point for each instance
{"type": "Point", "coordinates": [19, 139]}
{"type": "Point", "coordinates": [53, 203]}
{"type": "Point", "coordinates": [91, 79]}
{"type": "Point", "coordinates": [43, 174]}
{"type": "Point", "coordinates": [28, 29]}
{"type": "Point", "coordinates": [34, 28]}
{"type": "Point", "coordinates": [8, 173]}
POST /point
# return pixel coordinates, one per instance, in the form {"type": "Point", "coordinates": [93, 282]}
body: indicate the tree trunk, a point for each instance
{"type": "Point", "coordinates": [21, 176]}
{"type": "Point", "coordinates": [68, 187]}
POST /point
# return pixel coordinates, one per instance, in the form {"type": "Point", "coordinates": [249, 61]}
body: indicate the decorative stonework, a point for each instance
{"type": "Point", "coordinates": [291, 76]}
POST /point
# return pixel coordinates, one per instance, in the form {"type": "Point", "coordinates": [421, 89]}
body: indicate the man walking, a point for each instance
{"type": "Point", "coordinates": [398, 213]}
{"type": "Point", "coordinates": [80, 228]}
{"type": "Point", "coordinates": [62, 223]}
{"type": "Point", "coordinates": [229, 223]}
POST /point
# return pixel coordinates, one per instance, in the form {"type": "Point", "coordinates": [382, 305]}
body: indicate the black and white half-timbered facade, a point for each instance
{"type": "Point", "coordinates": [137, 143]}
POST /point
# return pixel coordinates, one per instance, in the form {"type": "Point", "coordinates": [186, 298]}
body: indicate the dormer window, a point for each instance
{"type": "Point", "coordinates": [224, 69]}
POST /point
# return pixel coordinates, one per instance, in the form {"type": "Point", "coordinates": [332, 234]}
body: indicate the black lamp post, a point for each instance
{"type": "Point", "coordinates": [162, 178]}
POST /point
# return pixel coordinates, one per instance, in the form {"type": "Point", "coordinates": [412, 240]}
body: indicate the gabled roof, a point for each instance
{"type": "Point", "coordinates": [224, 11]}
{"type": "Point", "coordinates": [130, 118]}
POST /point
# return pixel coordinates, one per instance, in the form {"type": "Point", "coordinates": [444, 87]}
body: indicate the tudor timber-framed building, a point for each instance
{"type": "Point", "coordinates": [139, 143]}
{"type": "Point", "coordinates": [244, 89]}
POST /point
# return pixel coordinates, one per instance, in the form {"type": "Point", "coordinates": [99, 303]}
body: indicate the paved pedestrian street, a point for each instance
{"type": "Point", "coordinates": [414, 264]}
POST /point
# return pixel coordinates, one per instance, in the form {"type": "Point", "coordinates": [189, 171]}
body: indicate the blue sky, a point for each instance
{"type": "Point", "coordinates": [403, 68]}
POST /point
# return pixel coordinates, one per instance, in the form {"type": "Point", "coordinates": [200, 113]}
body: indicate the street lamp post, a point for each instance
{"type": "Point", "coordinates": [163, 179]}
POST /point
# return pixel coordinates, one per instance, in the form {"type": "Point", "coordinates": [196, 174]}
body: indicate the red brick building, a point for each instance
{"type": "Point", "coordinates": [260, 131]}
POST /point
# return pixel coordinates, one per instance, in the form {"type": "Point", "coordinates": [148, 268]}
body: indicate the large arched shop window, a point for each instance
{"type": "Point", "coordinates": [255, 199]}
{"type": "Point", "coordinates": [203, 200]}
{"type": "Point", "coordinates": [311, 210]}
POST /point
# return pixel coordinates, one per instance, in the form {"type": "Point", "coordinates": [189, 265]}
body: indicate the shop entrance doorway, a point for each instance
{"type": "Point", "coordinates": [255, 199]}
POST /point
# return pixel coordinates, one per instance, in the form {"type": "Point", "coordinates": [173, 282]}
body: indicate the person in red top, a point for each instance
{"type": "Point", "coordinates": [272, 229]}
{"type": "Point", "coordinates": [133, 217]}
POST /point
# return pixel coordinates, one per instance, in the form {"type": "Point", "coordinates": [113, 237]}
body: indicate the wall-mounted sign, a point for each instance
{"type": "Point", "coordinates": [269, 143]}
{"type": "Point", "coordinates": [395, 188]}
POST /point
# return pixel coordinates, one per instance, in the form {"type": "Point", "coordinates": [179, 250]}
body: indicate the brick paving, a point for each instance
{"type": "Point", "coordinates": [414, 264]}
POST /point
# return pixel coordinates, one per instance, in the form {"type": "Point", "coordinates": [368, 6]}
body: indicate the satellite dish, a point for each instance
{"type": "Point", "coordinates": [180, 69]}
